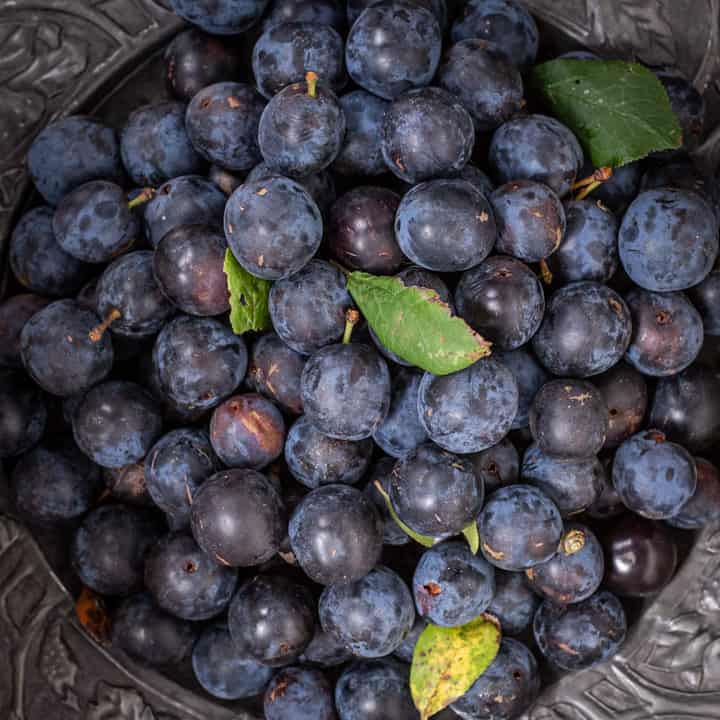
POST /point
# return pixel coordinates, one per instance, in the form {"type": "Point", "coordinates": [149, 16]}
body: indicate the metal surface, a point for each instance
{"type": "Point", "coordinates": [61, 56]}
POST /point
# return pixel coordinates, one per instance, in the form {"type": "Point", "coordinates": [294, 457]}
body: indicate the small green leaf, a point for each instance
{"type": "Point", "coordinates": [248, 297]}
{"type": "Point", "coordinates": [424, 540]}
{"type": "Point", "coordinates": [416, 324]}
{"type": "Point", "coordinates": [619, 111]}
{"type": "Point", "coordinates": [473, 537]}
{"type": "Point", "coordinates": [448, 660]}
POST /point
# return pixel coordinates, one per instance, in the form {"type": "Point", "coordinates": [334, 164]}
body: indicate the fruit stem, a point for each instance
{"type": "Point", "coordinates": [573, 542]}
{"type": "Point", "coordinates": [311, 79]}
{"type": "Point", "coordinates": [146, 194]}
{"type": "Point", "coordinates": [98, 331]}
{"type": "Point", "coordinates": [352, 317]}
{"type": "Point", "coordinates": [592, 182]}
{"type": "Point", "coordinates": [545, 272]}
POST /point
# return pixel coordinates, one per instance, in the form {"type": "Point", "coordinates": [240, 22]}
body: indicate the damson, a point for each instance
{"type": "Point", "coordinates": [275, 370]}
{"type": "Point", "coordinates": [704, 506]}
{"type": "Point", "coordinates": [237, 517]}
{"type": "Point", "coordinates": [626, 396]}
{"type": "Point", "coordinates": [321, 12]}
{"type": "Point", "coordinates": [221, 17]}
{"type": "Point", "coordinates": [336, 534]}
{"type": "Point", "coordinates": [514, 603]}
{"type": "Point", "coordinates": [497, 466]}
{"type": "Point", "coordinates": [381, 473]}
{"type": "Point", "coordinates": [434, 492]}
{"type": "Point", "coordinates": [298, 693]}
{"type": "Point", "coordinates": [23, 413]}
{"type": "Point", "coordinates": [437, 7]}
{"type": "Point", "coordinates": [325, 651]}
{"type": "Point", "coordinates": [470, 410]}
{"type": "Point", "coordinates": [530, 376]}
{"type": "Point", "coordinates": [371, 616]}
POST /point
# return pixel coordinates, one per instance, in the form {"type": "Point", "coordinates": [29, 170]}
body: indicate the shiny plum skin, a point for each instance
{"type": "Point", "coordinates": [482, 78]}
{"type": "Point", "coordinates": [586, 330]}
{"type": "Point", "coordinates": [520, 527]}
{"type": "Point", "coordinates": [237, 517]}
{"type": "Point", "coordinates": [445, 225]}
{"type": "Point", "coordinates": [503, 300]}
{"type": "Point", "coordinates": [273, 227]}
{"type": "Point", "coordinates": [221, 17]}
{"type": "Point", "coordinates": [470, 410]}
{"type": "Point", "coordinates": [530, 376]}
{"type": "Point", "coordinates": [537, 148]}
{"type": "Point", "coordinates": [15, 311]}
{"type": "Point", "coordinates": [272, 619]}
{"type": "Point", "coordinates": [667, 332]}
{"type": "Point", "coordinates": [23, 413]}
{"type": "Point", "coordinates": [286, 51]}
{"type": "Point", "coordinates": [514, 603]}
{"type": "Point", "coordinates": [575, 637]}
{"type": "Point", "coordinates": [155, 145]}
{"type": "Point", "coordinates": [186, 582]}
{"type": "Point", "coordinates": [668, 240]}
{"type": "Point", "coordinates": [37, 260]}
{"type": "Point", "coordinates": [451, 586]}
{"type": "Point", "coordinates": [371, 616]}
{"type": "Point", "coordinates": [70, 152]}
{"type": "Point", "coordinates": [222, 124]}
{"type": "Point", "coordinates": [434, 492]}
{"type": "Point", "coordinates": [336, 534]}
{"type": "Point", "coordinates": [308, 308]}
{"type": "Point", "coordinates": [654, 477]}
{"type": "Point", "coordinates": [225, 672]}
{"type": "Point", "coordinates": [315, 459]}
{"type": "Point", "coordinates": [506, 689]}
{"type": "Point", "coordinates": [626, 396]}
{"type": "Point", "coordinates": [320, 12]}
{"type": "Point", "coordinates": [704, 506]}
{"type": "Point", "coordinates": [381, 473]}
{"type": "Point", "coordinates": [346, 390]}
{"type": "Point", "coordinates": [392, 47]}
{"type": "Point", "coordinates": [437, 7]}
{"type": "Point", "coordinates": [530, 220]}
{"type": "Point", "coordinates": [497, 466]}
{"type": "Point", "coordinates": [325, 651]}
{"type": "Point", "coordinates": [299, 693]}
{"type": "Point", "coordinates": [275, 371]}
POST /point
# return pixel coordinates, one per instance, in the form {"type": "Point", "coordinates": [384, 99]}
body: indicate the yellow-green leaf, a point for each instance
{"type": "Point", "coordinates": [424, 540]}
{"type": "Point", "coordinates": [248, 297]}
{"type": "Point", "coordinates": [473, 537]}
{"type": "Point", "coordinates": [447, 661]}
{"type": "Point", "coordinates": [414, 323]}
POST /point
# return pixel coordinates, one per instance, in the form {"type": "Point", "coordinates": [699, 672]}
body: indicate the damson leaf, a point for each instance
{"type": "Point", "coordinates": [473, 537]}
{"type": "Point", "coordinates": [248, 297]}
{"type": "Point", "coordinates": [424, 540]}
{"type": "Point", "coordinates": [416, 324]}
{"type": "Point", "coordinates": [619, 111]}
{"type": "Point", "coordinates": [448, 660]}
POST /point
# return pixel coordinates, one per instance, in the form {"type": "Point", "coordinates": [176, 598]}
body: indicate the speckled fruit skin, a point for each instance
{"type": "Point", "coordinates": [445, 225]}
{"type": "Point", "coordinates": [349, 527]}
{"type": "Point", "coordinates": [530, 376]}
{"type": "Point", "coordinates": [572, 485]}
{"type": "Point", "coordinates": [484, 80]}
{"type": "Point", "coordinates": [315, 459]}
{"type": "Point", "coordinates": [225, 672]}
{"type": "Point", "coordinates": [272, 619]}
{"type": "Point", "coordinates": [155, 146]}
{"type": "Point", "coordinates": [346, 390]}
{"type": "Point", "coordinates": [37, 260]}
{"type": "Point", "coordinates": [237, 517]}
{"type": "Point", "coordinates": [286, 51]}
{"type": "Point", "coordinates": [530, 220]}
{"type": "Point", "coordinates": [574, 637]}
{"type": "Point", "coordinates": [497, 466]}
{"type": "Point", "coordinates": [437, 7]}
{"type": "Point", "coordinates": [273, 227]}
{"type": "Point", "coordinates": [503, 300]}
{"type": "Point", "coordinates": [470, 410]}
{"type": "Point", "coordinates": [704, 506]}
{"type": "Point", "coordinates": [506, 689]}
{"type": "Point", "coordinates": [668, 240]}
{"type": "Point", "coordinates": [434, 492]}
{"type": "Point", "coordinates": [275, 370]}
{"type": "Point", "coordinates": [308, 308]}
{"type": "Point", "coordinates": [374, 690]}
{"type": "Point", "coordinates": [626, 396]}
{"type": "Point", "coordinates": [520, 527]}
{"type": "Point", "coordinates": [108, 550]}
{"type": "Point", "coordinates": [394, 46]}
{"type": "Point", "coordinates": [221, 17]}
{"type": "Point", "coordinates": [299, 693]}
{"type": "Point", "coordinates": [381, 472]}
{"type": "Point", "coordinates": [149, 634]}
{"type": "Point", "coordinates": [586, 330]}
{"type": "Point", "coordinates": [23, 413]}
{"type": "Point", "coordinates": [222, 124]}
{"type": "Point", "coordinates": [185, 581]}
{"type": "Point", "coordinates": [451, 586]}
{"type": "Point", "coordinates": [654, 477]}
{"type": "Point", "coordinates": [247, 431]}
{"type": "Point", "coordinates": [514, 603]}
{"type": "Point", "coordinates": [371, 616]}
{"type": "Point", "coordinates": [569, 419]}
{"type": "Point", "coordinates": [537, 148]}
{"type": "Point", "coordinates": [72, 151]}
{"type": "Point", "coordinates": [667, 332]}
{"type": "Point", "coordinates": [185, 200]}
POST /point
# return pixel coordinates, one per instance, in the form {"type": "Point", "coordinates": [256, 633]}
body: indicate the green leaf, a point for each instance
{"type": "Point", "coordinates": [448, 660]}
{"type": "Point", "coordinates": [416, 324]}
{"type": "Point", "coordinates": [620, 111]}
{"type": "Point", "coordinates": [473, 537]}
{"type": "Point", "coordinates": [424, 540]}
{"type": "Point", "coordinates": [248, 297]}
